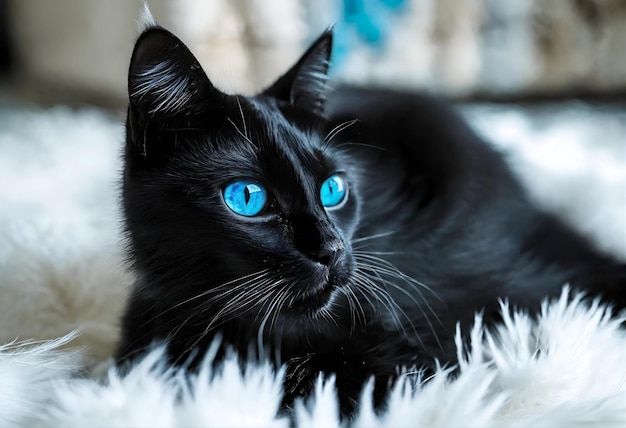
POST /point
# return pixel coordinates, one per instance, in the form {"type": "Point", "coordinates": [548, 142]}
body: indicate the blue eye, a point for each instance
{"type": "Point", "coordinates": [333, 191]}
{"type": "Point", "coordinates": [245, 197]}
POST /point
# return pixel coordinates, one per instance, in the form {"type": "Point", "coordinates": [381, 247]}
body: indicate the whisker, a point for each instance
{"type": "Point", "coordinates": [391, 267]}
{"type": "Point", "coordinates": [369, 146]}
{"type": "Point", "coordinates": [414, 284]}
{"type": "Point", "coordinates": [354, 302]}
{"type": "Point", "coordinates": [370, 286]}
{"type": "Point", "coordinates": [281, 295]}
{"type": "Point", "coordinates": [194, 312]}
{"type": "Point", "coordinates": [270, 296]}
{"type": "Point", "coordinates": [327, 314]}
{"type": "Point", "coordinates": [236, 304]}
{"type": "Point", "coordinates": [391, 271]}
{"type": "Point", "coordinates": [239, 131]}
{"type": "Point", "coordinates": [351, 307]}
{"type": "Point", "coordinates": [336, 130]}
{"type": "Point", "coordinates": [242, 300]}
{"type": "Point", "coordinates": [243, 119]}
{"type": "Point", "coordinates": [213, 290]}
{"type": "Point", "coordinates": [392, 308]}
{"type": "Point", "coordinates": [419, 305]}
{"type": "Point", "coordinates": [256, 283]}
{"type": "Point", "coordinates": [278, 308]}
{"type": "Point", "coordinates": [378, 235]}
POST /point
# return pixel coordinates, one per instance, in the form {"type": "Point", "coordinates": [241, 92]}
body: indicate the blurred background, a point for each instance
{"type": "Point", "coordinates": [78, 50]}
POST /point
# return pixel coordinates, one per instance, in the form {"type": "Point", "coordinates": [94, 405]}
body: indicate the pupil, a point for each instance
{"type": "Point", "coordinates": [246, 193]}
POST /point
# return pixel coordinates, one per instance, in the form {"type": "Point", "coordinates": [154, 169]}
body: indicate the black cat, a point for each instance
{"type": "Point", "coordinates": [342, 231]}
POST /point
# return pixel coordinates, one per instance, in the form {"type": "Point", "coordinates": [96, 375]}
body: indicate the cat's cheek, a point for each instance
{"type": "Point", "coordinates": [346, 217]}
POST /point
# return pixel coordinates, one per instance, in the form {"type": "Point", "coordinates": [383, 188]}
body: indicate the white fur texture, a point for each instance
{"type": "Point", "coordinates": [60, 247]}
{"type": "Point", "coordinates": [572, 158]}
{"type": "Point", "coordinates": [61, 270]}
{"type": "Point", "coordinates": [566, 368]}
{"type": "Point", "coordinates": [27, 374]}
{"type": "Point", "coordinates": [146, 19]}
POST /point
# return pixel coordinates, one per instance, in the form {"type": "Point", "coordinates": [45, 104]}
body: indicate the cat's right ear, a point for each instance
{"type": "Point", "coordinates": [304, 85]}
{"type": "Point", "coordinates": [164, 79]}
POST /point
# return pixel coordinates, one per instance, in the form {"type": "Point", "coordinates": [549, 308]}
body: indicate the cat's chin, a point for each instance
{"type": "Point", "coordinates": [315, 301]}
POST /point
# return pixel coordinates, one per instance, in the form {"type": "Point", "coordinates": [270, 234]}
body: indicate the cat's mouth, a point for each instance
{"type": "Point", "coordinates": [323, 288]}
{"type": "Point", "coordinates": [316, 298]}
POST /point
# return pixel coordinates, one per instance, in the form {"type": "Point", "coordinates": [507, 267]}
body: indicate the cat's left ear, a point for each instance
{"type": "Point", "coordinates": [304, 85]}
{"type": "Point", "coordinates": [164, 77]}
{"type": "Point", "coordinates": [164, 80]}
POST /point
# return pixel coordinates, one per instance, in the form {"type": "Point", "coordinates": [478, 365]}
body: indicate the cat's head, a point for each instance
{"type": "Point", "coordinates": [235, 206]}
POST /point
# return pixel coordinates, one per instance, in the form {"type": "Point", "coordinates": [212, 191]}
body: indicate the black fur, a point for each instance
{"type": "Point", "coordinates": [435, 226]}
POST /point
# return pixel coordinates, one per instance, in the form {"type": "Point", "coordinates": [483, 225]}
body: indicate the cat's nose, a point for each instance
{"type": "Point", "coordinates": [328, 254]}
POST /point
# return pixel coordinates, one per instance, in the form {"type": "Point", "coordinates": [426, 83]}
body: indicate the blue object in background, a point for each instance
{"type": "Point", "coordinates": [368, 20]}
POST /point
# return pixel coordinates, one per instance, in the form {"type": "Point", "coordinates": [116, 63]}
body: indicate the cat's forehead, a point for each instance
{"type": "Point", "coordinates": [262, 127]}
{"type": "Point", "coordinates": [250, 140]}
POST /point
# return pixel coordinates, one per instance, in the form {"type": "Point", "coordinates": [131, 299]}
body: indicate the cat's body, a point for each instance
{"type": "Point", "coordinates": [432, 228]}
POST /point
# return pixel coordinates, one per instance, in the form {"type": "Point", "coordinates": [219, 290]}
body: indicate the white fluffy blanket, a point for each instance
{"type": "Point", "coordinates": [61, 272]}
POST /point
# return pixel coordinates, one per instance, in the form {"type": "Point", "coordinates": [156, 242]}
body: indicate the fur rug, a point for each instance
{"type": "Point", "coordinates": [567, 368]}
{"type": "Point", "coordinates": [63, 288]}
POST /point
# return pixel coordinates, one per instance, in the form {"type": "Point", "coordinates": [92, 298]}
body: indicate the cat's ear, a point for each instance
{"type": "Point", "coordinates": [304, 85]}
{"type": "Point", "coordinates": [164, 77]}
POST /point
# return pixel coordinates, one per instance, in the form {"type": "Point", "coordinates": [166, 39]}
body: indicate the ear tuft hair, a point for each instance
{"type": "Point", "coordinates": [146, 21]}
